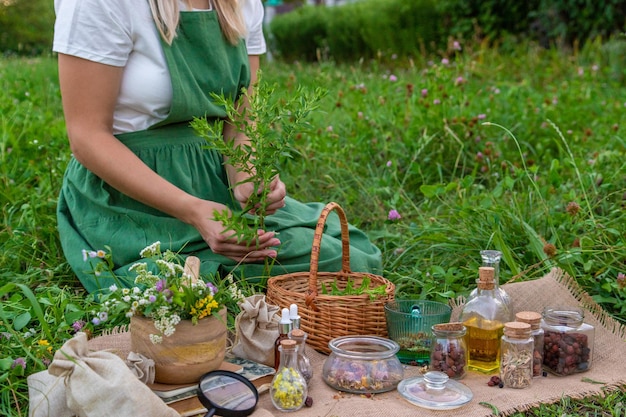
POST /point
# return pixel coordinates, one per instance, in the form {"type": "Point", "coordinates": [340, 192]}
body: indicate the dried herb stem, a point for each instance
{"type": "Point", "coordinates": [516, 366]}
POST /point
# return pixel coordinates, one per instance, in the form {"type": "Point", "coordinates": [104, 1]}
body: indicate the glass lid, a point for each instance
{"type": "Point", "coordinates": [435, 391]}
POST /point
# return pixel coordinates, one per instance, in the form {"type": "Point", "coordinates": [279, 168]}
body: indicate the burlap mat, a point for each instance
{"type": "Point", "coordinates": [608, 368]}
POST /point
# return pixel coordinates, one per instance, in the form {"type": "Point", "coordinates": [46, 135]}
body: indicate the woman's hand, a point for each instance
{"type": "Point", "coordinates": [275, 197]}
{"type": "Point", "coordinates": [222, 241]}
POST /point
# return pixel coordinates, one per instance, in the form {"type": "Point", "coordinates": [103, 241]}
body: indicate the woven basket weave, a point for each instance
{"type": "Point", "coordinates": [325, 316]}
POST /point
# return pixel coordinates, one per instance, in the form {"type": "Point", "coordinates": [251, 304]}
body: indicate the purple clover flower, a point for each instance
{"type": "Point", "coordinates": [19, 362]}
{"type": "Point", "coordinates": [160, 285]}
{"type": "Point", "coordinates": [78, 325]}
{"type": "Point", "coordinates": [394, 215]}
{"type": "Point", "coordinates": [212, 288]}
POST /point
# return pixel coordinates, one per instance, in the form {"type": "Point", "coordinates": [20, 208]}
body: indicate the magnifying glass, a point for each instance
{"type": "Point", "coordinates": [227, 394]}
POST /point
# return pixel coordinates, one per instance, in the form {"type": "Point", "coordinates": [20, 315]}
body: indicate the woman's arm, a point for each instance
{"type": "Point", "coordinates": [89, 92]}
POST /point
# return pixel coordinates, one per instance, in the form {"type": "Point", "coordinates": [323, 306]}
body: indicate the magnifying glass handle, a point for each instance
{"type": "Point", "coordinates": [211, 413]}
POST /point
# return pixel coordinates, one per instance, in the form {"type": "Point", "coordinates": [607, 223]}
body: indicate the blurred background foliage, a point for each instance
{"type": "Point", "coordinates": [371, 28]}
{"type": "Point", "coordinates": [26, 26]}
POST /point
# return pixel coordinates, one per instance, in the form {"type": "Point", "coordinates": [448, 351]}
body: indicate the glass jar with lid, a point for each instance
{"type": "Point", "coordinates": [362, 364]}
{"type": "Point", "coordinates": [534, 319]}
{"type": "Point", "coordinates": [448, 349]}
{"type": "Point", "coordinates": [516, 363]}
{"type": "Point", "coordinates": [568, 340]}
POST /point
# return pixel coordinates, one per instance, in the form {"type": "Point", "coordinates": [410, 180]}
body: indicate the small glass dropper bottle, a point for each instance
{"type": "Point", "coordinates": [294, 316]}
{"type": "Point", "coordinates": [284, 327]}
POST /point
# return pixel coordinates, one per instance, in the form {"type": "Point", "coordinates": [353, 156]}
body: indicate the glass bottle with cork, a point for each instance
{"type": "Point", "coordinates": [284, 327]}
{"type": "Point", "coordinates": [288, 390]}
{"type": "Point", "coordinates": [534, 319]}
{"type": "Point", "coordinates": [304, 364]}
{"type": "Point", "coordinates": [484, 315]}
{"type": "Point", "coordinates": [492, 258]}
{"type": "Point", "coordinates": [300, 336]}
{"type": "Point", "coordinates": [516, 362]}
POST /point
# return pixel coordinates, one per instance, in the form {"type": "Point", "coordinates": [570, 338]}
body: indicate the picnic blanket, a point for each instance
{"type": "Point", "coordinates": [608, 371]}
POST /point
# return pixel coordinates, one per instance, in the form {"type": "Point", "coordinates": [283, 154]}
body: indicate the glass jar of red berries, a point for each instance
{"type": "Point", "coordinates": [448, 349]}
{"type": "Point", "coordinates": [568, 340]}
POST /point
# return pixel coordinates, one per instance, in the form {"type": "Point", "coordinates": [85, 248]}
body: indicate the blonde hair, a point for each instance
{"type": "Point", "coordinates": [166, 14]}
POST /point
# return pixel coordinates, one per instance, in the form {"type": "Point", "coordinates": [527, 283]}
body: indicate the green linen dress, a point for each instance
{"type": "Point", "coordinates": [94, 216]}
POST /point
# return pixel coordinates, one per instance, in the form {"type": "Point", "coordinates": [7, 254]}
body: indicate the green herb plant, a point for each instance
{"type": "Point", "coordinates": [271, 126]}
{"type": "Point", "coordinates": [351, 289]}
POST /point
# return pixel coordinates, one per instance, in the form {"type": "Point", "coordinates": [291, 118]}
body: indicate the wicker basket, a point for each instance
{"type": "Point", "coordinates": [325, 317]}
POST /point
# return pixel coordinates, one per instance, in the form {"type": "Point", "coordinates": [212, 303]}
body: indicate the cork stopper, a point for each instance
{"type": "Point", "coordinates": [517, 330]}
{"type": "Point", "coordinates": [297, 333]}
{"type": "Point", "coordinates": [530, 317]}
{"type": "Point", "coordinates": [449, 327]}
{"type": "Point", "coordinates": [486, 277]}
{"type": "Point", "coordinates": [288, 344]}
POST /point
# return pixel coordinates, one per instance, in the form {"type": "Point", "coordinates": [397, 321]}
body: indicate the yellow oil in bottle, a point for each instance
{"type": "Point", "coordinates": [483, 344]}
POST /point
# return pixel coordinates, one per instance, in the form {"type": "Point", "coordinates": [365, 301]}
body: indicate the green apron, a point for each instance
{"type": "Point", "coordinates": [92, 215]}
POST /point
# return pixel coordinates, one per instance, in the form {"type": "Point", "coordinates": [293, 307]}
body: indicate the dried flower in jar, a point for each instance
{"type": "Point", "coordinates": [516, 363]}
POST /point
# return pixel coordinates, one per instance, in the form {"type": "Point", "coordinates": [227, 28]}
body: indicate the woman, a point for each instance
{"type": "Point", "coordinates": [133, 74]}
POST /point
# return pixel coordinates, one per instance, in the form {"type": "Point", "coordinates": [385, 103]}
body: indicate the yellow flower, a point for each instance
{"type": "Point", "coordinates": [44, 342]}
{"type": "Point", "coordinates": [203, 307]}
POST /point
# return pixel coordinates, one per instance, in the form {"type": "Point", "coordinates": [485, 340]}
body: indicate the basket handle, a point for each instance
{"type": "Point", "coordinates": [315, 251]}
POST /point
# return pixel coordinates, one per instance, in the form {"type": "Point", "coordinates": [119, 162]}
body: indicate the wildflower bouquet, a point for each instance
{"type": "Point", "coordinates": [166, 293]}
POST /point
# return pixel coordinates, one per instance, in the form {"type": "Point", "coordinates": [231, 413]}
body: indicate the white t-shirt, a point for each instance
{"type": "Point", "coordinates": [122, 33]}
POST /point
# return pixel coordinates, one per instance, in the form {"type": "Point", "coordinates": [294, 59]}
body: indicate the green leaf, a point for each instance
{"type": "Point", "coordinates": [451, 186]}
{"type": "Point", "coordinates": [507, 255]}
{"type": "Point", "coordinates": [447, 294]}
{"type": "Point", "coordinates": [508, 182]}
{"type": "Point", "coordinates": [431, 191]}
{"type": "Point", "coordinates": [37, 309]}
{"type": "Point", "coordinates": [73, 316]}
{"type": "Point", "coordinates": [467, 181]}
{"type": "Point", "coordinates": [605, 300]}
{"type": "Point", "coordinates": [21, 321]}
{"type": "Point", "coordinates": [5, 363]}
